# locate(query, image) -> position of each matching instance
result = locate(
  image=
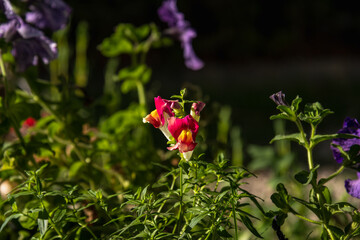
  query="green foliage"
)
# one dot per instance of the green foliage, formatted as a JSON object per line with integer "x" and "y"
{"x": 319, "y": 202}
{"x": 128, "y": 39}
{"x": 207, "y": 205}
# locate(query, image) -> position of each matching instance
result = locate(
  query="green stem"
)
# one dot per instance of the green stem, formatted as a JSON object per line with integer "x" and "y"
{"x": 235, "y": 223}
{"x": 141, "y": 93}
{"x": 2, "y": 66}
{"x": 51, "y": 221}
{"x": 329, "y": 232}
{"x": 209, "y": 234}
{"x": 168, "y": 195}
{"x": 306, "y": 142}
{"x": 308, "y": 220}
{"x": 79, "y": 221}
{"x": 178, "y": 222}
{"x": 310, "y": 158}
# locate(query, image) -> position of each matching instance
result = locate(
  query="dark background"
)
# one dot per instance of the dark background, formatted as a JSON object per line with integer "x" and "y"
{"x": 251, "y": 49}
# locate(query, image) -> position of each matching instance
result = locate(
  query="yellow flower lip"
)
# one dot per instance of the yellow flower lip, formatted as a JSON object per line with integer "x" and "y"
{"x": 153, "y": 118}
{"x": 185, "y": 136}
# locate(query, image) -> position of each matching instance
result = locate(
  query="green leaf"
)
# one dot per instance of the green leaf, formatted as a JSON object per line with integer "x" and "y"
{"x": 281, "y": 116}
{"x": 247, "y": 222}
{"x": 29, "y": 221}
{"x": 117, "y": 43}
{"x": 320, "y": 138}
{"x": 311, "y": 206}
{"x": 58, "y": 215}
{"x": 74, "y": 169}
{"x": 295, "y": 104}
{"x": 142, "y": 32}
{"x": 286, "y": 110}
{"x": 8, "y": 219}
{"x": 341, "y": 207}
{"x": 305, "y": 177}
{"x": 198, "y": 218}
{"x": 326, "y": 193}
{"x": 279, "y": 201}
{"x": 133, "y": 72}
{"x": 314, "y": 113}
{"x": 302, "y": 177}
{"x": 292, "y": 137}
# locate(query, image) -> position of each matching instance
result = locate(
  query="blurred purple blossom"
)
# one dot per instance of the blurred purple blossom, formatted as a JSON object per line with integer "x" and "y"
{"x": 180, "y": 29}
{"x": 350, "y": 126}
{"x": 353, "y": 186}
{"x": 52, "y": 14}
{"x": 29, "y": 43}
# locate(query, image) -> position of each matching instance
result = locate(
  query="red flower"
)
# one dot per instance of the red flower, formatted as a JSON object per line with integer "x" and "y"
{"x": 184, "y": 131}
{"x": 196, "y": 108}
{"x": 29, "y": 122}
{"x": 159, "y": 117}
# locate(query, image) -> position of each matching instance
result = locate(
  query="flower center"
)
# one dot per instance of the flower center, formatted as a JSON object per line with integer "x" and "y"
{"x": 185, "y": 136}
{"x": 155, "y": 115}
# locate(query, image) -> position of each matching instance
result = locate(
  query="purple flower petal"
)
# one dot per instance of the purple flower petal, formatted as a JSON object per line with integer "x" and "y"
{"x": 29, "y": 43}
{"x": 52, "y": 14}
{"x": 279, "y": 98}
{"x": 353, "y": 186}
{"x": 10, "y": 28}
{"x": 6, "y": 7}
{"x": 180, "y": 29}
{"x": 28, "y": 51}
{"x": 350, "y": 126}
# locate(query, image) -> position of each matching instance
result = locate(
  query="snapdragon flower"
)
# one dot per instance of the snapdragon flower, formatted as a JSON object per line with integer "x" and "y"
{"x": 350, "y": 126}
{"x": 179, "y": 130}
{"x": 180, "y": 29}
{"x": 184, "y": 131}
{"x": 29, "y": 43}
{"x": 159, "y": 117}
{"x": 52, "y": 14}
{"x": 196, "y": 108}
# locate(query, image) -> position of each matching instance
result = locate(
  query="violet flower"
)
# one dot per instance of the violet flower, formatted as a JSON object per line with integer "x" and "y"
{"x": 180, "y": 29}
{"x": 350, "y": 126}
{"x": 29, "y": 43}
{"x": 52, "y": 14}
{"x": 353, "y": 186}
{"x": 279, "y": 98}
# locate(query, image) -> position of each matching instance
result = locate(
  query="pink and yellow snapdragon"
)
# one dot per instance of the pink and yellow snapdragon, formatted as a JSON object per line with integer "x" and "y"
{"x": 169, "y": 116}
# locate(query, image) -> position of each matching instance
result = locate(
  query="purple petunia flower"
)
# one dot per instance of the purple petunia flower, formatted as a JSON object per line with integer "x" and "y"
{"x": 180, "y": 28}
{"x": 350, "y": 126}
{"x": 52, "y": 14}
{"x": 353, "y": 186}
{"x": 29, "y": 43}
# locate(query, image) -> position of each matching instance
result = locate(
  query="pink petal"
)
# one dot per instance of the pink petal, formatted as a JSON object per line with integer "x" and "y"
{"x": 161, "y": 107}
